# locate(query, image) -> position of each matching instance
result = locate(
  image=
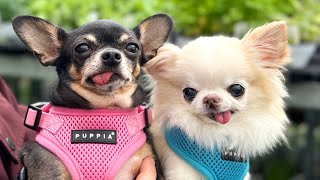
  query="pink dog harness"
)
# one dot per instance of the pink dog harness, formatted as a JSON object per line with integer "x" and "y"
{"x": 93, "y": 144}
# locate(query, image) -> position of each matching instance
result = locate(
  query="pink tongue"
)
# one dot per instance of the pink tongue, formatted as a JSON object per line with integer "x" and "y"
{"x": 102, "y": 79}
{"x": 223, "y": 117}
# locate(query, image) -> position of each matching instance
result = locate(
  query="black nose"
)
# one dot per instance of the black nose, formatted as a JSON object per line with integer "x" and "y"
{"x": 111, "y": 58}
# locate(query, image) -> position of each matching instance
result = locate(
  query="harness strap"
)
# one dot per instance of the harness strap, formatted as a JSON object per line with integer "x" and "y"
{"x": 41, "y": 118}
{"x": 137, "y": 124}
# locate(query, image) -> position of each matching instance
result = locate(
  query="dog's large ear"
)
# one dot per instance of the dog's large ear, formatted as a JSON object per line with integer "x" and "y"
{"x": 268, "y": 44}
{"x": 165, "y": 60}
{"x": 40, "y": 36}
{"x": 153, "y": 33}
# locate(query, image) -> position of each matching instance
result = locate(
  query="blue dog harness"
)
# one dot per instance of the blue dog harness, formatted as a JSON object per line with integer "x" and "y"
{"x": 213, "y": 164}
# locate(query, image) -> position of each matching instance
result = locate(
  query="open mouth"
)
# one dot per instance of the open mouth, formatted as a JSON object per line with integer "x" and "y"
{"x": 103, "y": 78}
{"x": 221, "y": 117}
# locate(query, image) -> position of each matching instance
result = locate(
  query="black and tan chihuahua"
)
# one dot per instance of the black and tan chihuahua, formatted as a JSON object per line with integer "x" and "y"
{"x": 98, "y": 66}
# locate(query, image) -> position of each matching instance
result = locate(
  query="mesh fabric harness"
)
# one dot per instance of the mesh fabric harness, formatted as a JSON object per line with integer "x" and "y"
{"x": 90, "y": 160}
{"x": 208, "y": 162}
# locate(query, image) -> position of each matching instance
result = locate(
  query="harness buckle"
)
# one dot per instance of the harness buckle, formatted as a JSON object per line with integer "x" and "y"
{"x": 146, "y": 114}
{"x": 37, "y": 120}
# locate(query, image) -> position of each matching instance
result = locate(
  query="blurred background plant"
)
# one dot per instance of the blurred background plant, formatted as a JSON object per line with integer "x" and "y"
{"x": 10, "y": 8}
{"x": 220, "y": 16}
{"x": 192, "y": 17}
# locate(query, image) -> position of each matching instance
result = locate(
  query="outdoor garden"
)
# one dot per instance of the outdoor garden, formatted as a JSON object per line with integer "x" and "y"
{"x": 192, "y": 18}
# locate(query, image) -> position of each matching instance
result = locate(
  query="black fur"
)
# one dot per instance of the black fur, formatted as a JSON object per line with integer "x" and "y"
{"x": 152, "y": 32}
{"x": 62, "y": 95}
{"x": 58, "y": 48}
{"x": 39, "y": 160}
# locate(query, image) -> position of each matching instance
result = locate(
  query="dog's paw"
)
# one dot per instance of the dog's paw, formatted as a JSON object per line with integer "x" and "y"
{"x": 42, "y": 164}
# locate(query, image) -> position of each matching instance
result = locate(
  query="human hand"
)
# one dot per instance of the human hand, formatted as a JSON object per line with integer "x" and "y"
{"x": 147, "y": 170}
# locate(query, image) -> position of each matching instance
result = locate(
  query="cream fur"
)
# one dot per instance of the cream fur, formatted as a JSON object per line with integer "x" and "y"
{"x": 210, "y": 65}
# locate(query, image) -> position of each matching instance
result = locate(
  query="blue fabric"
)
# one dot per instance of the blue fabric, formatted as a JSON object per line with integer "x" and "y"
{"x": 207, "y": 162}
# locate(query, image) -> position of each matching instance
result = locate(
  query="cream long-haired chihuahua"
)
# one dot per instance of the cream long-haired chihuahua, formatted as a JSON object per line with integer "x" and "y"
{"x": 218, "y": 101}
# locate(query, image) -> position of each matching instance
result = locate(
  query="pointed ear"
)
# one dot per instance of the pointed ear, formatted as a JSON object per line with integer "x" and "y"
{"x": 165, "y": 59}
{"x": 40, "y": 36}
{"x": 268, "y": 44}
{"x": 153, "y": 33}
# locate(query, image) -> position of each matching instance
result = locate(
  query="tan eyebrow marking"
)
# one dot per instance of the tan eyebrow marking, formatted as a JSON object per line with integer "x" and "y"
{"x": 124, "y": 37}
{"x": 91, "y": 38}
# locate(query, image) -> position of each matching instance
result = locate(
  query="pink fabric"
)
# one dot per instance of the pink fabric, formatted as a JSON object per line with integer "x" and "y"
{"x": 90, "y": 160}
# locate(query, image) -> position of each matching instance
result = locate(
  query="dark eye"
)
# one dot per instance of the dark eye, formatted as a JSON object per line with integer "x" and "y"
{"x": 132, "y": 47}
{"x": 82, "y": 48}
{"x": 236, "y": 90}
{"x": 189, "y": 93}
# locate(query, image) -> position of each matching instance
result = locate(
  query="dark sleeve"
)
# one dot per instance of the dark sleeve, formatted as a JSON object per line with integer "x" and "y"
{"x": 12, "y": 132}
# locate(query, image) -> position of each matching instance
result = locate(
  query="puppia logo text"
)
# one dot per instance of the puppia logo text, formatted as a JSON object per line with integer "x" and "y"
{"x": 94, "y": 136}
{"x": 231, "y": 155}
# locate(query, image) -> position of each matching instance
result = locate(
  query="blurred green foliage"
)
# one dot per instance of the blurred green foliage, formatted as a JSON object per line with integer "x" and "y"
{"x": 306, "y": 15}
{"x": 71, "y": 13}
{"x": 192, "y": 17}
{"x": 10, "y": 8}
{"x": 196, "y": 17}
